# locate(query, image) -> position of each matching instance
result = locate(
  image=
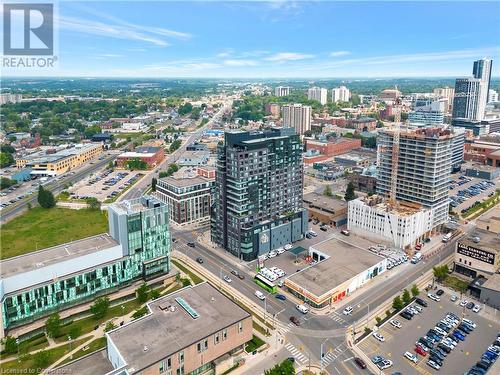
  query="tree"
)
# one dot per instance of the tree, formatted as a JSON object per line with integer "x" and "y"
{"x": 75, "y": 332}
{"x": 111, "y": 164}
{"x": 155, "y": 293}
{"x": 284, "y": 368}
{"x": 328, "y": 191}
{"x": 406, "y": 297}
{"x": 109, "y": 326}
{"x": 185, "y": 109}
{"x": 92, "y": 130}
{"x": 6, "y": 183}
{"x": 53, "y": 325}
{"x": 142, "y": 293}
{"x": 440, "y": 272}
{"x": 153, "y": 184}
{"x": 175, "y": 145}
{"x": 349, "y": 193}
{"x": 137, "y": 164}
{"x": 100, "y": 307}
{"x": 6, "y": 159}
{"x": 45, "y": 198}
{"x": 41, "y": 359}
{"x": 93, "y": 203}
{"x": 7, "y": 148}
{"x": 397, "y": 304}
{"x": 414, "y": 290}
{"x": 10, "y": 344}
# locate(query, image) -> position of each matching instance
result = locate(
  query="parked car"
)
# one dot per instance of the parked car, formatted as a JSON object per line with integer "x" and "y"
{"x": 361, "y": 364}
{"x": 440, "y": 292}
{"x": 470, "y": 305}
{"x": 419, "y": 350}
{"x": 378, "y": 336}
{"x": 421, "y": 302}
{"x": 377, "y": 359}
{"x": 476, "y": 308}
{"x": 395, "y": 323}
{"x": 433, "y": 297}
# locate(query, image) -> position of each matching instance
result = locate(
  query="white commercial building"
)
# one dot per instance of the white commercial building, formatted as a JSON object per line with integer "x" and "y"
{"x": 430, "y": 114}
{"x": 296, "y": 116}
{"x": 282, "y": 91}
{"x": 317, "y": 93}
{"x": 402, "y": 225}
{"x": 341, "y": 94}
{"x": 492, "y": 96}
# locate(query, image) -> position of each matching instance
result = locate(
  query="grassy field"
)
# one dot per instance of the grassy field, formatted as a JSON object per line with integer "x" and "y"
{"x": 40, "y": 228}
{"x": 196, "y": 279}
{"x": 27, "y": 363}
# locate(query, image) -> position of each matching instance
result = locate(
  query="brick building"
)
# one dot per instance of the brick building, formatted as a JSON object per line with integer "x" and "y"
{"x": 152, "y": 156}
{"x": 332, "y": 148}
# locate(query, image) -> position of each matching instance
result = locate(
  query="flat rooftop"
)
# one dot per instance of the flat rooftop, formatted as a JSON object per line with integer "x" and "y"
{"x": 165, "y": 332}
{"x": 56, "y": 254}
{"x": 184, "y": 182}
{"x": 345, "y": 261}
{"x": 320, "y": 201}
{"x": 137, "y": 205}
{"x": 93, "y": 364}
{"x": 493, "y": 282}
{"x": 488, "y": 241}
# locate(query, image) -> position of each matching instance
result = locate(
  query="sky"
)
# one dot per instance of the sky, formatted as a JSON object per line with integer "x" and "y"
{"x": 280, "y": 39}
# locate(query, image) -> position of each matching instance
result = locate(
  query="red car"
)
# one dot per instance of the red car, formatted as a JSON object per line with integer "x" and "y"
{"x": 420, "y": 351}
{"x": 360, "y": 362}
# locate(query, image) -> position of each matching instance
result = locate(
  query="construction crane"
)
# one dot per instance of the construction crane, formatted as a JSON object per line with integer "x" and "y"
{"x": 395, "y": 151}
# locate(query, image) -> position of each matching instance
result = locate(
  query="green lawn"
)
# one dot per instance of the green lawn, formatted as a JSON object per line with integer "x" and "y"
{"x": 456, "y": 283}
{"x": 93, "y": 346}
{"x": 254, "y": 344}
{"x": 27, "y": 363}
{"x": 40, "y": 228}
{"x": 196, "y": 279}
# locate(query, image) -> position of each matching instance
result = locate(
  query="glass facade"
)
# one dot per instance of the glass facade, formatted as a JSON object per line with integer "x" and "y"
{"x": 149, "y": 255}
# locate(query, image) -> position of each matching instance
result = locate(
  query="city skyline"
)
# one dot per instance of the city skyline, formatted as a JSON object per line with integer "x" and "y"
{"x": 278, "y": 39}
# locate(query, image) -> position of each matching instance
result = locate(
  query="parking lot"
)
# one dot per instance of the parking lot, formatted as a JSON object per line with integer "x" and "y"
{"x": 104, "y": 185}
{"x": 399, "y": 340}
{"x": 461, "y": 199}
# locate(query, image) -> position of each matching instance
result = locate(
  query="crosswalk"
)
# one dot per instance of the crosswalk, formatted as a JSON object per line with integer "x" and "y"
{"x": 288, "y": 328}
{"x": 297, "y": 354}
{"x": 331, "y": 356}
{"x": 337, "y": 318}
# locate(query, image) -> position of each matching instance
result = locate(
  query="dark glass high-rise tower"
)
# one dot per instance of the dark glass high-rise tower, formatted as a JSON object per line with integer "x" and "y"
{"x": 258, "y": 192}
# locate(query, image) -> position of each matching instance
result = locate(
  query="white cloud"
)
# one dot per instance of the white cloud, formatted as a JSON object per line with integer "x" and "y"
{"x": 238, "y": 62}
{"x": 339, "y": 53}
{"x": 288, "y": 56}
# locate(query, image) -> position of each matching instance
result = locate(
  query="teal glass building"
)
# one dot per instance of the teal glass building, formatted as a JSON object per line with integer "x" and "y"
{"x": 39, "y": 283}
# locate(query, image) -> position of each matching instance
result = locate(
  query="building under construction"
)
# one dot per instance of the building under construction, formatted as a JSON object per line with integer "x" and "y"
{"x": 413, "y": 175}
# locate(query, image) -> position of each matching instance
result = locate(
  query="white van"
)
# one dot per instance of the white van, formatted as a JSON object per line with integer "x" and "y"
{"x": 260, "y": 295}
{"x": 303, "y": 309}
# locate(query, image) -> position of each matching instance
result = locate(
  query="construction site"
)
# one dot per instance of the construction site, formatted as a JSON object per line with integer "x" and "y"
{"x": 413, "y": 167}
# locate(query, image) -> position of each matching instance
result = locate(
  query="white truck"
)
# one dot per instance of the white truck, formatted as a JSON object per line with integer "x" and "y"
{"x": 416, "y": 258}
{"x": 447, "y": 237}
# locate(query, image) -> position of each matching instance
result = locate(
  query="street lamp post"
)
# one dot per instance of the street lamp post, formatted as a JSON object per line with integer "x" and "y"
{"x": 69, "y": 339}
{"x": 17, "y": 344}
{"x": 321, "y": 355}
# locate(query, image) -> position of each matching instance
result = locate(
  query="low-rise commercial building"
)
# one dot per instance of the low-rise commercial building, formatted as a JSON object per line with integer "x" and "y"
{"x": 188, "y": 199}
{"x": 328, "y": 210}
{"x": 362, "y": 124}
{"x": 186, "y": 332}
{"x": 401, "y": 225}
{"x": 354, "y": 161}
{"x": 338, "y": 146}
{"x": 137, "y": 246}
{"x": 478, "y": 254}
{"x": 342, "y": 268}
{"x": 152, "y": 156}
{"x": 44, "y": 163}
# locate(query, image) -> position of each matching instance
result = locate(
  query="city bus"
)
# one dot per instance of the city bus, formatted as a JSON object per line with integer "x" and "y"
{"x": 265, "y": 284}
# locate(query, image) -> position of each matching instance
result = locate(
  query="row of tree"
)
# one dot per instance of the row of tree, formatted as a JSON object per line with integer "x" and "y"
{"x": 401, "y": 301}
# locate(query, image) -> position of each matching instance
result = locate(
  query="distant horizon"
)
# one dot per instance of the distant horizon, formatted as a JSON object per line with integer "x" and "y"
{"x": 276, "y": 39}
{"x": 242, "y": 78}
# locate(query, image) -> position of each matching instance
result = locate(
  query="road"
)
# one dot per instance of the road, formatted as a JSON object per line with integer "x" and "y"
{"x": 143, "y": 185}
{"x": 55, "y": 187}
{"x": 304, "y": 342}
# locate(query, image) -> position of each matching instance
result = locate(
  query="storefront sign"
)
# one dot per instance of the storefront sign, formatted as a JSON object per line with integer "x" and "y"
{"x": 472, "y": 252}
